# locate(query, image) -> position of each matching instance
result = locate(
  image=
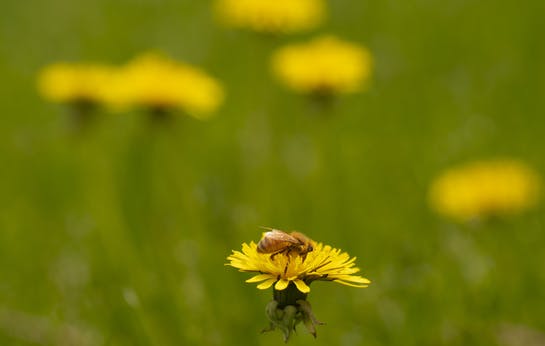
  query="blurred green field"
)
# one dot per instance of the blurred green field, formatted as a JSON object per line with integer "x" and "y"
{"x": 118, "y": 235}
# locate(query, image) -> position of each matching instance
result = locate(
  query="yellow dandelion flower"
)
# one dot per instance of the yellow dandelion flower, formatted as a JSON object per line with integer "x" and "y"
{"x": 323, "y": 263}
{"x": 156, "y": 82}
{"x": 325, "y": 65}
{"x": 290, "y": 273}
{"x": 75, "y": 82}
{"x": 485, "y": 188}
{"x": 271, "y": 16}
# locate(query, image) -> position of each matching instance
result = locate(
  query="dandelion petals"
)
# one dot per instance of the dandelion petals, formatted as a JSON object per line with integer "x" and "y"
{"x": 350, "y": 284}
{"x": 301, "y": 286}
{"x": 354, "y": 279}
{"x": 266, "y": 284}
{"x": 258, "y": 278}
{"x": 281, "y": 284}
{"x": 324, "y": 263}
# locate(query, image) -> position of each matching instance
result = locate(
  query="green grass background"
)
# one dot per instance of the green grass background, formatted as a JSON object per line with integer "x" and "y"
{"x": 118, "y": 235}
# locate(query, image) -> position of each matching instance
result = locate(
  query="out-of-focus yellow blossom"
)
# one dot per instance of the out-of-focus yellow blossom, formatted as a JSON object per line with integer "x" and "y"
{"x": 157, "y": 82}
{"x": 75, "y": 82}
{"x": 271, "y": 16}
{"x": 325, "y": 65}
{"x": 485, "y": 188}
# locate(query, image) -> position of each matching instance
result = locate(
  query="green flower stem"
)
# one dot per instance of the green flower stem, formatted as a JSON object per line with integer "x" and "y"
{"x": 82, "y": 115}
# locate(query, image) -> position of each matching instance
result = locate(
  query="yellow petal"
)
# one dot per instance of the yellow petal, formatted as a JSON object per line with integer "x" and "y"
{"x": 301, "y": 286}
{"x": 258, "y": 278}
{"x": 350, "y": 278}
{"x": 266, "y": 284}
{"x": 350, "y": 284}
{"x": 281, "y": 284}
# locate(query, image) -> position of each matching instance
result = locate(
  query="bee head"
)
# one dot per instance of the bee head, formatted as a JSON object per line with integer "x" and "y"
{"x": 309, "y": 248}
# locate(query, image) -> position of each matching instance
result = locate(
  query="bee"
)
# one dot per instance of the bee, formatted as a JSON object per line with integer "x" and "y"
{"x": 276, "y": 242}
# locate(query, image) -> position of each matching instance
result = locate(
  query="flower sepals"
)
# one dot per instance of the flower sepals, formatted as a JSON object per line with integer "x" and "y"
{"x": 288, "y": 317}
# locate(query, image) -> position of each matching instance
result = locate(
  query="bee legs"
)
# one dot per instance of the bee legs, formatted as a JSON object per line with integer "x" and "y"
{"x": 287, "y": 264}
{"x": 287, "y": 252}
{"x": 278, "y": 252}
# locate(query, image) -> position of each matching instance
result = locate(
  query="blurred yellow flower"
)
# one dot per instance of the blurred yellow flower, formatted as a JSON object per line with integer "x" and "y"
{"x": 74, "y": 82}
{"x": 271, "y": 16}
{"x": 325, "y": 65}
{"x": 323, "y": 263}
{"x": 290, "y": 274}
{"x": 485, "y": 188}
{"x": 157, "y": 82}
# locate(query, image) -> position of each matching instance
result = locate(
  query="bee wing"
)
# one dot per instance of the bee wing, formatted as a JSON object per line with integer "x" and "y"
{"x": 300, "y": 237}
{"x": 280, "y": 236}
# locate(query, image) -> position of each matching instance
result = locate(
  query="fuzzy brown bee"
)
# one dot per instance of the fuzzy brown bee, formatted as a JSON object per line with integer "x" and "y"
{"x": 276, "y": 242}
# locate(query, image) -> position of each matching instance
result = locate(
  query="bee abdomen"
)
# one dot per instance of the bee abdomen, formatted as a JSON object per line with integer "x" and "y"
{"x": 261, "y": 246}
{"x": 267, "y": 245}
